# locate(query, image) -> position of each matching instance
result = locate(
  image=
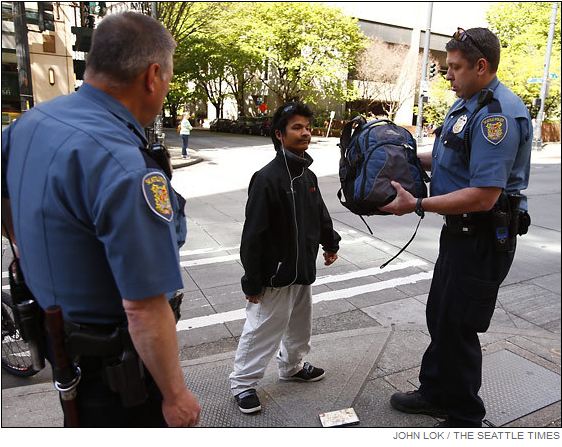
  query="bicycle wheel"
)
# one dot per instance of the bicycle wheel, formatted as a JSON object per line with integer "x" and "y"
{"x": 16, "y": 358}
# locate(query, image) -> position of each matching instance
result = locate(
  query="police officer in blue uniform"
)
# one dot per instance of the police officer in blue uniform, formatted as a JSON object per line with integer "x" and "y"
{"x": 480, "y": 164}
{"x": 97, "y": 226}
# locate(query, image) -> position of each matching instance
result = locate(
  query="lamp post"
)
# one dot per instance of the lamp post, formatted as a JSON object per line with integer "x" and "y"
{"x": 423, "y": 81}
{"x": 537, "y": 132}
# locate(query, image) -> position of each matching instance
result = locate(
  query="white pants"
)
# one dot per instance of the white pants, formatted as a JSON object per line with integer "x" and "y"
{"x": 282, "y": 322}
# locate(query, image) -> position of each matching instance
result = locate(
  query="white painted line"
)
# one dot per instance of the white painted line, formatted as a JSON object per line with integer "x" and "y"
{"x": 240, "y": 314}
{"x": 206, "y": 261}
{"x": 367, "y": 272}
{"x": 201, "y": 251}
{"x": 355, "y": 241}
{"x": 6, "y": 287}
{"x": 5, "y": 274}
{"x": 193, "y": 323}
{"x": 353, "y": 291}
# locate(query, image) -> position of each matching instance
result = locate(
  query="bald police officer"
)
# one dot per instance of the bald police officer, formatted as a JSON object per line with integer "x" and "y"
{"x": 480, "y": 163}
{"x": 95, "y": 222}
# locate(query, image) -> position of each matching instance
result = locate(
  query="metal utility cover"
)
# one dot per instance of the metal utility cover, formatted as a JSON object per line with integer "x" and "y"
{"x": 513, "y": 387}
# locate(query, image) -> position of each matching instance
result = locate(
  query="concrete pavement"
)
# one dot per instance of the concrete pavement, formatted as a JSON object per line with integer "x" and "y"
{"x": 369, "y": 329}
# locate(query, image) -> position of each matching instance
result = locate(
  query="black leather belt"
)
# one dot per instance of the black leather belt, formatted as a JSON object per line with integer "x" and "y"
{"x": 468, "y": 223}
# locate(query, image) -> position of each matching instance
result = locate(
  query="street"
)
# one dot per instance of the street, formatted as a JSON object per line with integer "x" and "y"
{"x": 354, "y": 293}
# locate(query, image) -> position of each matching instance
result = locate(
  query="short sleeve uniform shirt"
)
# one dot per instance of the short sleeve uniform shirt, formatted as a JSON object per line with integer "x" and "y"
{"x": 94, "y": 224}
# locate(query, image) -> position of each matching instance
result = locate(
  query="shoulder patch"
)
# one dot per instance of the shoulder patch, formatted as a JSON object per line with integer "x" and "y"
{"x": 494, "y": 128}
{"x": 155, "y": 190}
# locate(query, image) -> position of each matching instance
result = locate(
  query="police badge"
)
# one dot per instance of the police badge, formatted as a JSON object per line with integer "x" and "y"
{"x": 494, "y": 128}
{"x": 155, "y": 190}
{"x": 459, "y": 125}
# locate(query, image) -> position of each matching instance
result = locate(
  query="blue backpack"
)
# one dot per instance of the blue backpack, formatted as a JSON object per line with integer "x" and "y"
{"x": 372, "y": 154}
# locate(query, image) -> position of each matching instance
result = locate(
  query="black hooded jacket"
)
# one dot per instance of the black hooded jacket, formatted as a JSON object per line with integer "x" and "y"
{"x": 281, "y": 236}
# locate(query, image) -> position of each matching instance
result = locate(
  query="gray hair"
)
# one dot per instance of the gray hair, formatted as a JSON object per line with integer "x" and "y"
{"x": 125, "y": 44}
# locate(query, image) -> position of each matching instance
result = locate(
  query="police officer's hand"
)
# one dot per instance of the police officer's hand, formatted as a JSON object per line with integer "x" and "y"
{"x": 329, "y": 257}
{"x": 183, "y": 411}
{"x": 403, "y": 203}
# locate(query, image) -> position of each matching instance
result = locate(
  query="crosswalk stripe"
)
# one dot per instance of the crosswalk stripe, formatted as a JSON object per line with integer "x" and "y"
{"x": 206, "y": 261}
{"x": 239, "y": 314}
{"x": 367, "y": 272}
{"x": 201, "y": 251}
{"x": 374, "y": 287}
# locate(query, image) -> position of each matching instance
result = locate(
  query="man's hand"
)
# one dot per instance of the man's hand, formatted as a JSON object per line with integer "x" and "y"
{"x": 403, "y": 203}
{"x": 329, "y": 257}
{"x": 184, "y": 411}
{"x": 254, "y": 299}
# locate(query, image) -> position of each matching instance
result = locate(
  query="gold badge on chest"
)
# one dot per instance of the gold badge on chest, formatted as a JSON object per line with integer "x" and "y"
{"x": 459, "y": 125}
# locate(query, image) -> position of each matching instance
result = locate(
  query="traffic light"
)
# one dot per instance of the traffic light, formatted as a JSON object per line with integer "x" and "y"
{"x": 432, "y": 70}
{"x": 46, "y": 19}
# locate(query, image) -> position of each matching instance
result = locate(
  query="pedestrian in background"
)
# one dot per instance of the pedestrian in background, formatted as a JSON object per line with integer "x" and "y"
{"x": 286, "y": 221}
{"x": 94, "y": 217}
{"x": 185, "y": 131}
{"x": 480, "y": 164}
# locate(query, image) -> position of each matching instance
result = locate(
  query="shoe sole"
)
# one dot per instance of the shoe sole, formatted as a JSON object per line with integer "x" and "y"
{"x": 438, "y": 414}
{"x": 298, "y": 379}
{"x": 250, "y": 410}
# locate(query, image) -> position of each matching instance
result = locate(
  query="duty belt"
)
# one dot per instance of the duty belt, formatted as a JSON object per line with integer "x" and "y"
{"x": 468, "y": 223}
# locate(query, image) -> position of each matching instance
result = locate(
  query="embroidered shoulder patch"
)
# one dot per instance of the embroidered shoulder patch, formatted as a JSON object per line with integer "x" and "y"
{"x": 155, "y": 190}
{"x": 494, "y": 128}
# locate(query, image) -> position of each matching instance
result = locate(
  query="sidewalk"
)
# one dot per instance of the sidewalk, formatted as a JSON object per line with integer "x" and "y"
{"x": 521, "y": 380}
{"x": 365, "y": 365}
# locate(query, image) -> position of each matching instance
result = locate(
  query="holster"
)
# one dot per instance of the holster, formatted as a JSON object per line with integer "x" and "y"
{"x": 123, "y": 370}
{"x": 175, "y": 304}
{"x": 506, "y": 220}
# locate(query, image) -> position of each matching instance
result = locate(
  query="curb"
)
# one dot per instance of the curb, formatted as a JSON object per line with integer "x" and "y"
{"x": 181, "y": 163}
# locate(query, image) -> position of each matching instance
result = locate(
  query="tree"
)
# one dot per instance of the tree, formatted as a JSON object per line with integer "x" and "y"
{"x": 441, "y": 98}
{"x": 184, "y": 19}
{"x": 202, "y": 60}
{"x": 523, "y": 32}
{"x": 307, "y": 49}
{"x": 244, "y": 60}
{"x": 386, "y": 73}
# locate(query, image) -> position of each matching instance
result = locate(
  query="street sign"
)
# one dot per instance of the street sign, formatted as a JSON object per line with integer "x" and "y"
{"x": 553, "y": 76}
{"x": 534, "y": 81}
{"x": 332, "y": 115}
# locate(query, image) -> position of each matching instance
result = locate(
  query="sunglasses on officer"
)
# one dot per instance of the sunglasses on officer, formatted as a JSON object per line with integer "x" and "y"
{"x": 462, "y": 36}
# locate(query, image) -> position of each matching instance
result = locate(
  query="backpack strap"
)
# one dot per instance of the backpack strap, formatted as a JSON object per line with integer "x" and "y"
{"x": 351, "y": 127}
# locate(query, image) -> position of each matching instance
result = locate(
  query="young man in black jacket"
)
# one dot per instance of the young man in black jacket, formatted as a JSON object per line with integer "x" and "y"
{"x": 286, "y": 221}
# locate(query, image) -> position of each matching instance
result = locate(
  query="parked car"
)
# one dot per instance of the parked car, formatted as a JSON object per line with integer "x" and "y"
{"x": 254, "y": 125}
{"x": 242, "y": 125}
{"x": 221, "y": 125}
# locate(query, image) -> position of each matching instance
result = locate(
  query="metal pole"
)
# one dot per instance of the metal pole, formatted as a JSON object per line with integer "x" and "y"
{"x": 158, "y": 125}
{"x": 423, "y": 80}
{"x": 22, "y": 55}
{"x": 537, "y": 140}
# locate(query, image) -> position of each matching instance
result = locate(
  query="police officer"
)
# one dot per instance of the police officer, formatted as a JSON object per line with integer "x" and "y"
{"x": 95, "y": 223}
{"x": 480, "y": 163}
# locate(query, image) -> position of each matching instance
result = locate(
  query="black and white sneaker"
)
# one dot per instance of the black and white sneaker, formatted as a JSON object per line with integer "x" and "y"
{"x": 248, "y": 401}
{"x": 308, "y": 373}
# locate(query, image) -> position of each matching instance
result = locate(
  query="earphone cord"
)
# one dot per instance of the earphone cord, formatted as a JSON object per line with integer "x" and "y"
{"x": 291, "y": 180}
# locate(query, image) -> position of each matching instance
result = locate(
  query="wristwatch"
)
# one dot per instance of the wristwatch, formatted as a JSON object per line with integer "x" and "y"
{"x": 419, "y": 208}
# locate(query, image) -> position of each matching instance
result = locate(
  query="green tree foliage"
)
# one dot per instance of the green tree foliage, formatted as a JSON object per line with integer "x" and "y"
{"x": 202, "y": 60}
{"x": 441, "y": 98}
{"x": 286, "y": 50}
{"x": 308, "y": 48}
{"x": 523, "y": 32}
{"x": 184, "y": 19}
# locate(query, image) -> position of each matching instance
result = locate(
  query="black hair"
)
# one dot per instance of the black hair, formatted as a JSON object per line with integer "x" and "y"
{"x": 485, "y": 39}
{"x": 283, "y": 114}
